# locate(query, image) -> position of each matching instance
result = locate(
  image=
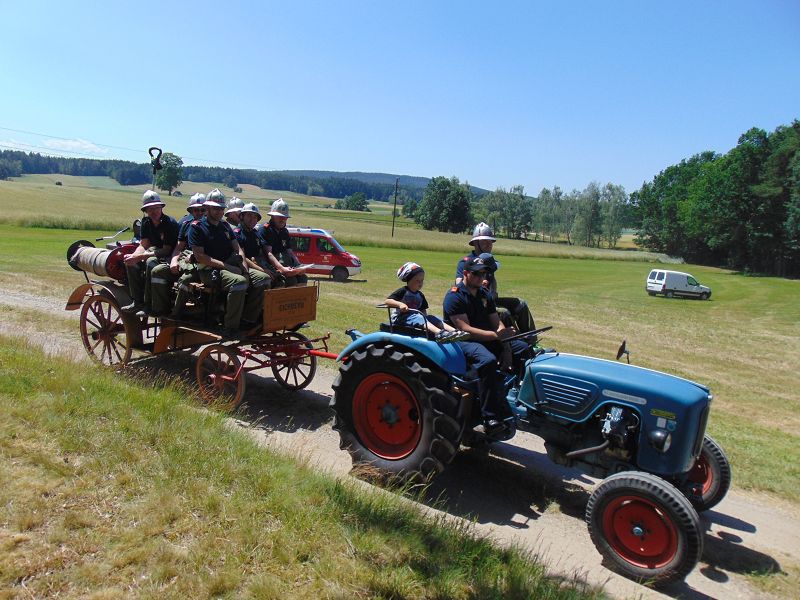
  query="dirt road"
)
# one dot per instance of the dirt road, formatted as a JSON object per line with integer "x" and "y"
{"x": 512, "y": 493}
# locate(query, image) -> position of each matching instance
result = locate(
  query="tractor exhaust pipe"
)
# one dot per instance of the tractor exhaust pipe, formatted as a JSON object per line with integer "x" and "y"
{"x": 585, "y": 451}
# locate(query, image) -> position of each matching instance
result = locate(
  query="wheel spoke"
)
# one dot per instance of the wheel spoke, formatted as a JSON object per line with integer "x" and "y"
{"x": 114, "y": 346}
{"x": 92, "y": 323}
{"x": 97, "y": 343}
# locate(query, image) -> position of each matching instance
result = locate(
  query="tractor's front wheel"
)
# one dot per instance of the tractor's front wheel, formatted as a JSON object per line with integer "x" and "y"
{"x": 391, "y": 414}
{"x": 644, "y": 527}
{"x": 712, "y": 472}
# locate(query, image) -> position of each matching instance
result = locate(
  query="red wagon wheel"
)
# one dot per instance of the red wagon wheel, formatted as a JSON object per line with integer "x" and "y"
{"x": 219, "y": 377}
{"x": 293, "y": 367}
{"x": 104, "y": 331}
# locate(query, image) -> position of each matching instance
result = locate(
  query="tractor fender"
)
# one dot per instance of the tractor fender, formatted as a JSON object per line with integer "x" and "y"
{"x": 449, "y": 357}
{"x": 108, "y": 288}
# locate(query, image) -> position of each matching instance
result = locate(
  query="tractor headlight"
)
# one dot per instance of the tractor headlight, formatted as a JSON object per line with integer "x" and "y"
{"x": 660, "y": 440}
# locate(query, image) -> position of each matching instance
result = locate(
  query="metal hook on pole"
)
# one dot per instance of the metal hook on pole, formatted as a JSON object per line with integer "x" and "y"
{"x": 155, "y": 161}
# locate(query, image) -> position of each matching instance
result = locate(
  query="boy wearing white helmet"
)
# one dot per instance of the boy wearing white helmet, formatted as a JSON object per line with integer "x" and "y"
{"x": 410, "y": 298}
{"x": 159, "y": 234}
{"x": 278, "y": 245}
{"x": 482, "y": 242}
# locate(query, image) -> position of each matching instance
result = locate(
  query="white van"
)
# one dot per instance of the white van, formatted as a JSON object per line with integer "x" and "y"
{"x": 675, "y": 283}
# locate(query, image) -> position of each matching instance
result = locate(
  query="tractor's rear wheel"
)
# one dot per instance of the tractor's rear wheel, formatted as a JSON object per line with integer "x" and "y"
{"x": 105, "y": 331}
{"x": 644, "y": 527}
{"x": 391, "y": 413}
{"x": 712, "y": 471}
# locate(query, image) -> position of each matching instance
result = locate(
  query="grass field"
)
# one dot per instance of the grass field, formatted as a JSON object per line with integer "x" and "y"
{"x": 114, "y": 489}
{"x": 744, "y": 343}
{"x": 89, "y": 203}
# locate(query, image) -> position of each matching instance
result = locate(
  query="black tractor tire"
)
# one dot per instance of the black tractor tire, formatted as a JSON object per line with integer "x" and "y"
{"x": 340, "y": 274}
{"x": 644, "y": 527}
{"x": 393, "y": 414}
{"x": 712, "y": 470}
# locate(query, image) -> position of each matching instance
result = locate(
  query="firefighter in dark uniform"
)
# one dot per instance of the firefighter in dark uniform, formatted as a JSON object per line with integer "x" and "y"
{"x": 217, "y": 253}
{"x": 233, "y": 210}
{"x": 482, "y": 242}
{"x": 278, "y": 245}
{"x": 252, "y": 246}
{"x": 181, "y": 264}
{"x": 159, "y": 234}
{"x": 469, "y": 307}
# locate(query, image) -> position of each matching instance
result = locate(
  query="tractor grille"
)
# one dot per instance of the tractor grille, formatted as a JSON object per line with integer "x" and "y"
{"x": 569, "y": 397}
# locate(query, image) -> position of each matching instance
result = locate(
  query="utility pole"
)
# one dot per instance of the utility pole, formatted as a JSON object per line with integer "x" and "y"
{"x": 394, "y": 210}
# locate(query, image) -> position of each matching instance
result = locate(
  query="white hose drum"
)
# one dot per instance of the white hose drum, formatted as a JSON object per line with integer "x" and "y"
{"x": 83, "y": 256}
{"x": 92, "y": 260}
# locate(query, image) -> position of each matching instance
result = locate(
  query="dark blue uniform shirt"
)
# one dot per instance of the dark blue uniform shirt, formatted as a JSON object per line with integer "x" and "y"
{"x": 278, "y": 239}
{"x": 249, "y": 240}
{"x": 183, "y": 228}
{"x": 165, "y": 233}
{"x": 458, "y": 301}
{"x": 215, "y": 240}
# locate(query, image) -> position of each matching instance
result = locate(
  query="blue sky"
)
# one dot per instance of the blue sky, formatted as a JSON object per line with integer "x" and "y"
{"x": 498, "y": 94}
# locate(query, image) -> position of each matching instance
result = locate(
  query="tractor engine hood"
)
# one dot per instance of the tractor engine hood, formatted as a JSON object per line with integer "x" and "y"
{"x": 575, "y": 388}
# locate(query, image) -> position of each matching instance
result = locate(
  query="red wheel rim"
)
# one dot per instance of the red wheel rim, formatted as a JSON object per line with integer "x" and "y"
{"x": 702, "y": 473}
{"x": 640, "y": 532}
{"x": 387, "y": 416}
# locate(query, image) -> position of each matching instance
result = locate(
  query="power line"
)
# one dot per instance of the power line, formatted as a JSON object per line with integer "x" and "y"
{"x": 56, "y": 137}
{"x": 51, "y": 151}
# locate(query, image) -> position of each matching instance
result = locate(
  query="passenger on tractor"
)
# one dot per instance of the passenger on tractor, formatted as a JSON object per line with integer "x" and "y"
{"x": 233, "y": 211}
{"x": 516, "y": 308}
{"x": 252, "y": 245}
{"x": 278, "y": 245}
{"x": 410, "y": 296}
{"x": 159, "y": 234}
{"x": 220, "y": 261}
{"x": 182, "y": 264}
{"x": 470, "y": 307}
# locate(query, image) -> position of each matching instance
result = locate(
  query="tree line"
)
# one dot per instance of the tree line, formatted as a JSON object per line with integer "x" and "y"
{"x": 15, "y": 163}
{"x": 592, "y": 217}
{"x": 739, "y": 210}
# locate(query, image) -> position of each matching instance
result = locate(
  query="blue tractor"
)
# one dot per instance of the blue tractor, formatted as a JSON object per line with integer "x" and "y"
{"x": 405, "y": 403}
